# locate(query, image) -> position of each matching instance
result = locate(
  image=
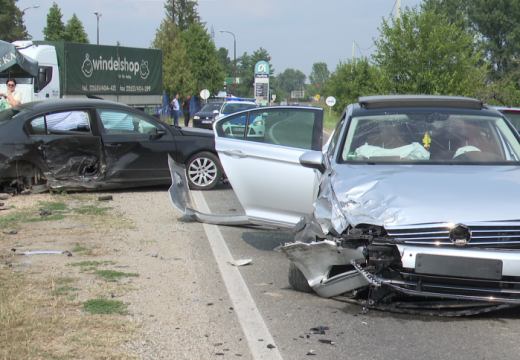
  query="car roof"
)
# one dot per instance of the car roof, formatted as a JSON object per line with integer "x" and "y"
{"x": 394, "y": 101}
{"x": 44, "y": 105}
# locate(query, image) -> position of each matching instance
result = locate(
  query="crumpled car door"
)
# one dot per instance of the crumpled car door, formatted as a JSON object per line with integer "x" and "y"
{"x": 67, "y": 145}
{"x": 260, "y": 150}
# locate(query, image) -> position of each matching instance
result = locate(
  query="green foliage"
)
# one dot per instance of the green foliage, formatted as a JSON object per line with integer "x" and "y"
{"x": 112, "y": 275}
{"x": 55, "y": 30}
{"x": 291, "y": 80}
{"x": 423, "y": 53}
{"x": 105, "y": 306}
{"x": 227, "y": 64}
{"x": 184, "y": 12}
{"x": 92, "y": 210}
{"x": 351, "y": 80}
{"x": 53, "y": 206}
{"x": 177, "y": 76}
{"x": 203, "y": 59}
{"x": 74, "y": 31}
{"x": 91, "y": 263}
{"x": 246, "y": 70}
{"x": 11, "y": 22}
{"x": 505, "y": 90}
{"x": 320, "y": 74}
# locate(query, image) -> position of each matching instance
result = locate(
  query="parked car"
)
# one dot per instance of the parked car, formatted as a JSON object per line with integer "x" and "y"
{"x": 511, "y": 113}
{"x": 283, "y": 102}
{"x": 206, "y": 116}
{"x": 410, "y": 205}
{"x": 73, "y": 144}
{"x": 233, "y": 105}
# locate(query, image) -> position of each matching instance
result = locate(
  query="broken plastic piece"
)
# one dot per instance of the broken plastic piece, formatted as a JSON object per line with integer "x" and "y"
{"x": 311, "y": 352}
{"x": 327, "y": 341}
{"x": 41, "y": 252}
{"x": 241, "y": 262}
{"x": 45, "y": 212}
{"x": 105, "y": 197}
{"x": 270, "y": 346}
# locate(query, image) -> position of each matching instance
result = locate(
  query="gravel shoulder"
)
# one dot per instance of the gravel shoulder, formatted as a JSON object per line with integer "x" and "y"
{"x": 178, "y": 301}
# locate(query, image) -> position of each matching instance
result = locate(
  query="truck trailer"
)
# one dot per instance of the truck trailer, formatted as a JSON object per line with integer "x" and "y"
{"x": 132, "y": 76}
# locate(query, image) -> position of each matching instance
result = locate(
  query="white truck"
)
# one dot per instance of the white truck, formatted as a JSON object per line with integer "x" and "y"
{"x": 131, "y": 76}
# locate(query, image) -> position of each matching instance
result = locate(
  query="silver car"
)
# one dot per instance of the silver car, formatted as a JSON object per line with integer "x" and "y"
{"x": 410, "y": 206}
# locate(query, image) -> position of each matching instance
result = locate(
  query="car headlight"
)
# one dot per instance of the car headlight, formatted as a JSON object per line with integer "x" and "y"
{"x": 196, "y": 117}
{"x": 258, "y": 123}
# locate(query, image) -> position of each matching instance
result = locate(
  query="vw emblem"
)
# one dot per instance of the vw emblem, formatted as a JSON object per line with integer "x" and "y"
{"x": 460, "y": 235}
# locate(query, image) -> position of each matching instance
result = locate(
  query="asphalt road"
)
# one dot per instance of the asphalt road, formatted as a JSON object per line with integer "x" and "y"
{"x": 289, "y": 315}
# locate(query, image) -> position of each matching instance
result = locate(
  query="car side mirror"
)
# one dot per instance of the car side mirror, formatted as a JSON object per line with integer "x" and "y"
{"x": 313, "y": 160}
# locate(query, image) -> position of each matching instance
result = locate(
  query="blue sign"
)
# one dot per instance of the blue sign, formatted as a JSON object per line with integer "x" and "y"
{"x": 262, "y": 68}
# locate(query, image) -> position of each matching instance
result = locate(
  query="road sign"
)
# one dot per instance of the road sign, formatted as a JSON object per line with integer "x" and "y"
{"x": 317, "y": 96}
{"x": 273, "y": 97}
{"x": 330, "y": 101}
{"x": 229, "y": 80}
{"x": 204, "y": 94}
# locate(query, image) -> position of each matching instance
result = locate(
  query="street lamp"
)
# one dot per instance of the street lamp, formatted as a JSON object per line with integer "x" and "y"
{"x": 30, "y": 7}
{"x": 235, "y": 78}
{"x": 98, "y": 14}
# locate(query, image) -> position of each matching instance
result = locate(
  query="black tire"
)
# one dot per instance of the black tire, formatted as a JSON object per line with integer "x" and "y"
{"x": 297, "y": 280}
{"x": 203, "y": 171}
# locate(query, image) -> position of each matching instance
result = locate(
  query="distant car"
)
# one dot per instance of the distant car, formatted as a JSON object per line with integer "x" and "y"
{"x": 234, "y": 105}
{"x": 284, "y": 103}
{"x": 87, "y": 144}
{"x": 512, "y": 114}
{"x": 205, "y": 117}
{"x": 296, "y": 102}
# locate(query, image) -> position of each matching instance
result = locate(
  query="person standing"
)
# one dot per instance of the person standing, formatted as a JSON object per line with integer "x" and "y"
{"x": 12, "y": 97}
{"x": 175, "y": 108}
{"x": 186, "y": 110}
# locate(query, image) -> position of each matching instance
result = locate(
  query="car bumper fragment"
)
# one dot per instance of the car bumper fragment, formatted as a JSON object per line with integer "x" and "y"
{"x": 180, "y": 198}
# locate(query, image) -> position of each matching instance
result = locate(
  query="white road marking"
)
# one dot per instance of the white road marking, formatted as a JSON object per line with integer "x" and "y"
{"x": 248, "y": 315}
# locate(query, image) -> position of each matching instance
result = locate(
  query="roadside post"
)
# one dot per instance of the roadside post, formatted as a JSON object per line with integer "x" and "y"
{"x": 330, "y": 101}
{"x": 204, "y": 95}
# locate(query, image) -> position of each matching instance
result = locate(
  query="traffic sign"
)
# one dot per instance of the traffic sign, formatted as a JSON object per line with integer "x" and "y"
{"x": 229, "y": 80}
{"x": 330, "y": 101}
{"x": 317, "y": 96}
{"x": 273, "y": 97}
{"x": 204, "y": 94}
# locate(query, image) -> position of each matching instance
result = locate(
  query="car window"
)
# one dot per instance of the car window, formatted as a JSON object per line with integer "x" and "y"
{"x": 430, "y": 137}
{"x": 286, "y": 127}
{"x": 513, "y": 116}
{"x": 122, "y": 122}
{"x": 233, "y": 127}
{"x": 236, "y": 107}
{"x": 58, "y": 122}
{"x": 210, "y": 107}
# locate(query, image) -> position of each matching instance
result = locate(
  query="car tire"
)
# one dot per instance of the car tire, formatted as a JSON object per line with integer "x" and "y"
{"x": 297, "y": 280}
{"x": 203, "y": 171}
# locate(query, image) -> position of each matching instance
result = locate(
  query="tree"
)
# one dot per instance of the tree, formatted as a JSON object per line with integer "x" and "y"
{"x": 319, "y": 75}
{"x": 202, "y": 55}
{"x": 74, "y": 31}
{"x": 226, "y": 62}
{"x": 423, "y": 53}
{"x": 291, "y": 80}
{"x": 183, "y": 11}
{"x": 55, "y": 30}
{"x": 246, "y": 70}
{"x": 11, "y": 22}
{"x": 177, "y": 76}
{"x": 351, "y": 80}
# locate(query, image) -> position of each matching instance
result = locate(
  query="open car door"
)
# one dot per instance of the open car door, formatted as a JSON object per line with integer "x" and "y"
{"x": 260, "y": 150}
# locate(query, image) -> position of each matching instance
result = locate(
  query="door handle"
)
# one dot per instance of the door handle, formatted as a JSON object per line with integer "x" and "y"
{"x": 237, "y": 153}
{"x": 112, "y": 145}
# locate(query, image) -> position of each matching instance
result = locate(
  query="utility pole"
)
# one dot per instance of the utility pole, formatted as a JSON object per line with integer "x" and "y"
{"x": 353, "y": 49}
{"x": 173, "y": 11}
{"x": 398, "y": 9}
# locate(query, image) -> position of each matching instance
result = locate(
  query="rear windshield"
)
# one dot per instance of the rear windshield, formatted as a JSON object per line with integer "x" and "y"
{"x": 430, "y": 138}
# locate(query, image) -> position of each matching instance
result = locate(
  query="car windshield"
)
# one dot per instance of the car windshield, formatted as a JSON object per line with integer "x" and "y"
{"x": 236, "y": 106}
{"x": 209, "y": 107}
{"x": 430, "y": 138}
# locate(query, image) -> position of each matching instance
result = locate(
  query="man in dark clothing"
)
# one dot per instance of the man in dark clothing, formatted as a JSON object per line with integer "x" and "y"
{"x": 186, "y": 110}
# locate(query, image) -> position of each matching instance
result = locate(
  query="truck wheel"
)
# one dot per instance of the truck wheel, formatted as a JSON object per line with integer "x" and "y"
{"x": 203, "y": 171}
{"x": 297, "y": 280}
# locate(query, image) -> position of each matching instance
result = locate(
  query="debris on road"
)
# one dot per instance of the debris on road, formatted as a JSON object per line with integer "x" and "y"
{"x": 105, "y": 198}
{"x": 327, "y": 341}
{"x": 311, "y": 352}
{"x": 320, "y": 330}
{"x": 241, "y": 262}
{"x": 45, "y": 212}
{"x": 41, "y": 252}
{"x": 270, "y": 346}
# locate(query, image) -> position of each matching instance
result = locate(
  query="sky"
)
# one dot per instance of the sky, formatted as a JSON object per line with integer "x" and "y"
{"x": 295, "y": 33}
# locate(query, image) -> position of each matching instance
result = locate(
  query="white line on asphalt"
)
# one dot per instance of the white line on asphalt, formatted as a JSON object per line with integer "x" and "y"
{"x": 248, "y": 315}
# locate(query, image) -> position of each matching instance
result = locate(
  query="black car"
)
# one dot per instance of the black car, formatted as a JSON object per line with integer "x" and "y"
{"x": 205, "y": 117}
{"x": 87, "y": 144}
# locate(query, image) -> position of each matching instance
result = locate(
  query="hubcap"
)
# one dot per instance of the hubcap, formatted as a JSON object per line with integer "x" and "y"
{"x": 202, "y": 171}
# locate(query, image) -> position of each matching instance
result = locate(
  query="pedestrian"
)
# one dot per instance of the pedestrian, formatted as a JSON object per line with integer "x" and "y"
{"x": 175, "y": 108}
{"x": 186, "y": 110}
{"x": 12, "y": 97}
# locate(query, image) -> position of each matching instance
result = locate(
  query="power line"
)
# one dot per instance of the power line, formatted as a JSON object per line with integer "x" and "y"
{"x": 391, "y": 12}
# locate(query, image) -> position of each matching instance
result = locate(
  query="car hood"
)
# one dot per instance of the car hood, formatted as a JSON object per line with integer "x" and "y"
{"x": 205, "y": 114}
{"x": 417, "y": 194}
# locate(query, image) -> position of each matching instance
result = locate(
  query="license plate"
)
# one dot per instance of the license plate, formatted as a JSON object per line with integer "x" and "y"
{"x": 458, "y": 266}
{"x": 206, "y": 121}
{"x": 238, "y": 130}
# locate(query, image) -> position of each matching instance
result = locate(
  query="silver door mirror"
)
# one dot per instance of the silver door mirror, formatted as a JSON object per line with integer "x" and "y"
{"x": 313, "y": 160}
